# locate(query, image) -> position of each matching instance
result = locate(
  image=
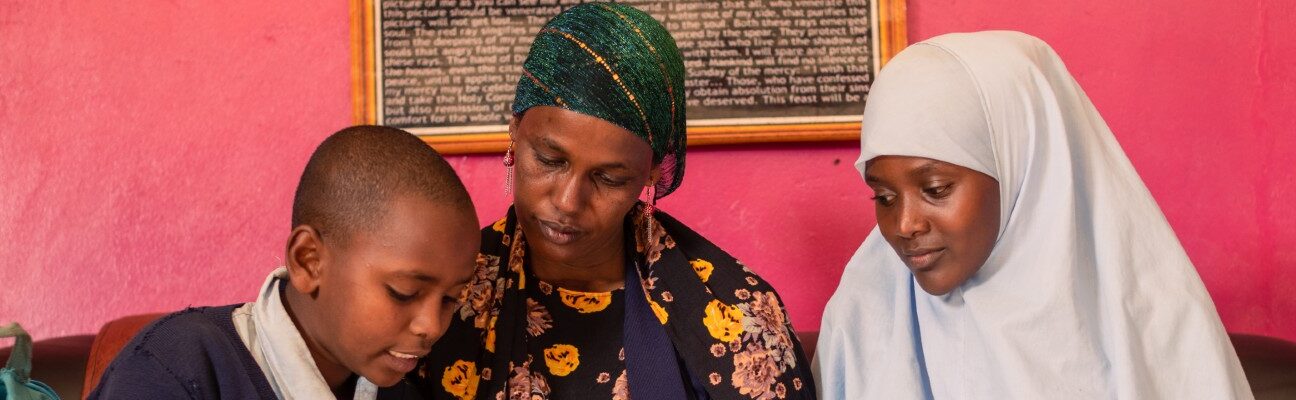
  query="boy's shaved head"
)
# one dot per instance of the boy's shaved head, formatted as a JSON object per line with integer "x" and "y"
{"x": 354, "y": 175}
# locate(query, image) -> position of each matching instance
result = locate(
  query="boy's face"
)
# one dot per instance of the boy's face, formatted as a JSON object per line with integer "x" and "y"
{"x": 942, "y": 219}
{"x": 386, "y": 295}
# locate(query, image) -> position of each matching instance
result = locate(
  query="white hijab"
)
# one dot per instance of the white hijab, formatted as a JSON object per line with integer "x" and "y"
{"x": 1087, "y": 293}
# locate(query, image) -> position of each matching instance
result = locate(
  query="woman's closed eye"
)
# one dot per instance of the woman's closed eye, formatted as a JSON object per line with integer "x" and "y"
{"x": 610, "y": 181}
{"x": 550, "y": 162}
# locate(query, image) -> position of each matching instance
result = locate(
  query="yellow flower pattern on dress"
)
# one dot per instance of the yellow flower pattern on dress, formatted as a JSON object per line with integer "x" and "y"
{"x": 562, "y": 359}
{"x": 660, "y": 312}
{"x": 498, "y": 226}
{"x": 723, "y": 321}
{"x": 585, "y": 302}
{"x": 460, "y": 379}
{"x": 703, "y": 269}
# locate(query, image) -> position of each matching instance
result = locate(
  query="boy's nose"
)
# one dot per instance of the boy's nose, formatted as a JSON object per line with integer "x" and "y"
{"x": 428, "y": 324}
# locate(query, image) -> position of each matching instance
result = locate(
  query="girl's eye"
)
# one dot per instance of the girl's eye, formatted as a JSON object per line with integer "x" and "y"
{"x": 398, "y": 296}
{"x": 938, "y": 191}
{"x": 883, "y": 199}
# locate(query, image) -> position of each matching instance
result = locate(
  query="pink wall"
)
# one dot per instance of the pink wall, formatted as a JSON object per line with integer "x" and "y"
{"x": 148, "y": 150}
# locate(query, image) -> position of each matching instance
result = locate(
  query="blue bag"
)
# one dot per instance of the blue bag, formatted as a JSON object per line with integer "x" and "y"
{"x": 15, "y": 377}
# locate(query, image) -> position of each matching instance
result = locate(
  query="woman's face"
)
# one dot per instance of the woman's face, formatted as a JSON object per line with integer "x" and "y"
{"x": 942, "y": 219}
{"x": 576, "y": 178}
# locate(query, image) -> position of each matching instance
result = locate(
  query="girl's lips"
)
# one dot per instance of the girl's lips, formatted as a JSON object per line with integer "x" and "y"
{"x": 922, "y": 259}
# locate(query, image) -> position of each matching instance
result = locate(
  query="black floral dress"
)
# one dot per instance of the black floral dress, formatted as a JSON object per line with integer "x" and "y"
{"x": 516, "y": 337}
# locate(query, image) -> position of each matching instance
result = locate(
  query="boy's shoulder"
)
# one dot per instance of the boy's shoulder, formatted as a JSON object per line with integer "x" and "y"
{"x": 191, "y": 329}
{"x": 194, "y": 353}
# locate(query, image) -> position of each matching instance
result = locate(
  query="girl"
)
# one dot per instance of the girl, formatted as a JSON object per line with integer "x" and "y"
{"x": 1017, "y": 254}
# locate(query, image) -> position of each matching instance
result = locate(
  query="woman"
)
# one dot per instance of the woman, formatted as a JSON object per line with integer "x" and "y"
{"x": 1017, "y": 254}
{"x": 583, "y": 291}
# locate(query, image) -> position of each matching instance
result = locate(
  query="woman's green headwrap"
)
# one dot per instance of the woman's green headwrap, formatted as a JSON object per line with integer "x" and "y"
{"x": 616, "y": 63}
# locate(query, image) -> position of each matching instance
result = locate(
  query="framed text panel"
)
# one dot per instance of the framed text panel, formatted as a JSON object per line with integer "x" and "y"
{"x": 756, "y": 70}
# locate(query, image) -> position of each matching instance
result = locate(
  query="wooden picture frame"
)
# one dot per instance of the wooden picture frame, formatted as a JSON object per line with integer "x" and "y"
{"x": 888, "y": 37}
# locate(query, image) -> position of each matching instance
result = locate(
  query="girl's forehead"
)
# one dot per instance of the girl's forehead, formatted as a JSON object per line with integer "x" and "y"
{"x": 906, "y": 170}
{"x": 907, "y": 165}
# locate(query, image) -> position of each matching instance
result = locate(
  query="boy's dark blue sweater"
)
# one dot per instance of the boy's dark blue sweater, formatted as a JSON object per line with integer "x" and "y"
{"x": 197, "y": 354}
{"x": 191, "y": 354}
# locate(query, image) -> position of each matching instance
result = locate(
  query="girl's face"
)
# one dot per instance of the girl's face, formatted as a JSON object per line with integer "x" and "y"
{"x": 942, "y": 219}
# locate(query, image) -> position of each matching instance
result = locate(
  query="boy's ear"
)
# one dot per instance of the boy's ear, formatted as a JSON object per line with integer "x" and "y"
{"x": 305, "y": 258}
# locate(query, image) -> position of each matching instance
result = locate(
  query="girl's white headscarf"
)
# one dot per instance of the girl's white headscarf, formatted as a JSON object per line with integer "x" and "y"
{"x": 1087, "y": 293}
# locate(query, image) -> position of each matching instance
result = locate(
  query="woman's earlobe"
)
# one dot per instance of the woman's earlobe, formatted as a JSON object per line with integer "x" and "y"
{"x": 513, "y": 127}
{"x": 654, "y": 176}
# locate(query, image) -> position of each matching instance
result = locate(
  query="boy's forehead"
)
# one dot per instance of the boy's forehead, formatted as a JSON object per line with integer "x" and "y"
{"x": 413, "y": 211}
{"x": 416, "y": 238}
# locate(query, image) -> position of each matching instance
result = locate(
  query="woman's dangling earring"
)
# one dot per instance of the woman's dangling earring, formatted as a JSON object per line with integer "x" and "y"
{"x": 649, "y": 207}
{"x": 508, "y": 164}
{"x": 650, "y": 204}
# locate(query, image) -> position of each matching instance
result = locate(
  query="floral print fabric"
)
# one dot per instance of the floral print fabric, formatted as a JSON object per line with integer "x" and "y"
{"x": 516, "y": 337}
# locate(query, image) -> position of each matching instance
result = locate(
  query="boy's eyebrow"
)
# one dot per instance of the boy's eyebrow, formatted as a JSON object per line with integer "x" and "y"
{"x": 417, "y": 276}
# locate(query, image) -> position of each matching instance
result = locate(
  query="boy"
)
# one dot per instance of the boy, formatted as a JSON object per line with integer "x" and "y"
{"x": 384, "y": 240}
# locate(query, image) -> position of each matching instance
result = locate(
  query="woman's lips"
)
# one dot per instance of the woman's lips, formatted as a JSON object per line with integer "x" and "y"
{"x": 920, "y": 260}
{"x": 557, "y": 233}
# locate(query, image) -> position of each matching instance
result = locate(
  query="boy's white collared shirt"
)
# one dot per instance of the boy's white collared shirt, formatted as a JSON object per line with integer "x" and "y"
{"x": 278, "y": 348}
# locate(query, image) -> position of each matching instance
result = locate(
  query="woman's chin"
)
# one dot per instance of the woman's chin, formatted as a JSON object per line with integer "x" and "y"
{"x": 568, "y": 253}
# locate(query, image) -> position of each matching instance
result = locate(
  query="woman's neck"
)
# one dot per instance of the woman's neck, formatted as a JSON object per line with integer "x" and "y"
{"x": 601, "y": 271}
